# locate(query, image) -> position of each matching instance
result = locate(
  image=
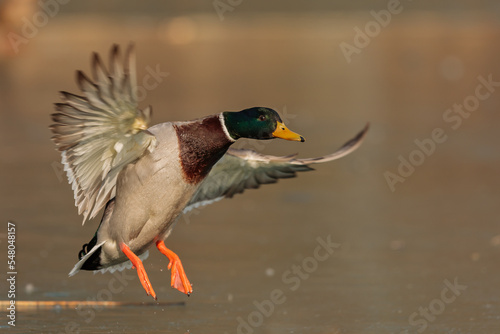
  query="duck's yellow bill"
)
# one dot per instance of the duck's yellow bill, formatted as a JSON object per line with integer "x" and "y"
{"x": 283, "y": 133}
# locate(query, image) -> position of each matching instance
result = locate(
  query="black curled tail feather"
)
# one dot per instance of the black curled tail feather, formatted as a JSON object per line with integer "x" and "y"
{"x": 93, "y": 261}
{"x": 87, "y": 247}
{"x": 90, "y": 261}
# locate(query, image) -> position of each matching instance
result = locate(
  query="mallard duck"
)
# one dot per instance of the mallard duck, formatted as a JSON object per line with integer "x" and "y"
{"x": 146, "y": 177}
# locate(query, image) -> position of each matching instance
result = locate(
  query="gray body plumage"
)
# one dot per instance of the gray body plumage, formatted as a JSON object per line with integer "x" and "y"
{"x": 151, "y": 194}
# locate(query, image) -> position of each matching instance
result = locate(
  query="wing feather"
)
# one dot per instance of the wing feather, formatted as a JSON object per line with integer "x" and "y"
{"x": 101, "y": 131}
{"x": 239, "y": 170}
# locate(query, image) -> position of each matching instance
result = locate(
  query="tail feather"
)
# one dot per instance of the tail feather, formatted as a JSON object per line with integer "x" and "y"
{"x": 91, "y": 259}
{"x": 91, "y": 256}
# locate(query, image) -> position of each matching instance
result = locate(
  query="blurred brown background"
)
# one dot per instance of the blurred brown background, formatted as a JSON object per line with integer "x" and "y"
{"x": 414, "y": 210}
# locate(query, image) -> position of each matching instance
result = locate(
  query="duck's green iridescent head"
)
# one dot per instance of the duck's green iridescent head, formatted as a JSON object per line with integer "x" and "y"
{"x": 258, "y": 123}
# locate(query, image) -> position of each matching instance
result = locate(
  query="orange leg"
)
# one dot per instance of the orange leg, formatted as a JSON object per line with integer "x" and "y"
{"x": 178, "y": 278}
{"x": 141, "y": 272}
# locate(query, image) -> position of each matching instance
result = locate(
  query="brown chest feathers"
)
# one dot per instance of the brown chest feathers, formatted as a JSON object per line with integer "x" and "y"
{"x": 201, "y": 144}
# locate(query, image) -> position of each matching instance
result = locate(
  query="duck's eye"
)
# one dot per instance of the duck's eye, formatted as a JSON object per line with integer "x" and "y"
{"x": 262, "y": 118}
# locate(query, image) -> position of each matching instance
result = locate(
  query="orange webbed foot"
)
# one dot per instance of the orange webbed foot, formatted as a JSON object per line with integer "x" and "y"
{"x": 141, "y": 272}
{"x": 178, "y": 276}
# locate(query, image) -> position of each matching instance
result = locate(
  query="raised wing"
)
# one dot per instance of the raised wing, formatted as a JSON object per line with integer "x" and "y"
{"x": 245, "y": 169}
{"x": 102, "y": 131}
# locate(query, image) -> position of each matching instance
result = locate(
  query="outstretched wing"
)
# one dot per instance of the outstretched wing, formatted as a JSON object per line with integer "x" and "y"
{"x": 245, "y": 169}
{"x": 102, "y": 131}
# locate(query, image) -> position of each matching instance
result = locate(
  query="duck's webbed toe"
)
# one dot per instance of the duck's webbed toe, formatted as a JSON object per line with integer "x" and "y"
{"x": 178, "y": 276}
